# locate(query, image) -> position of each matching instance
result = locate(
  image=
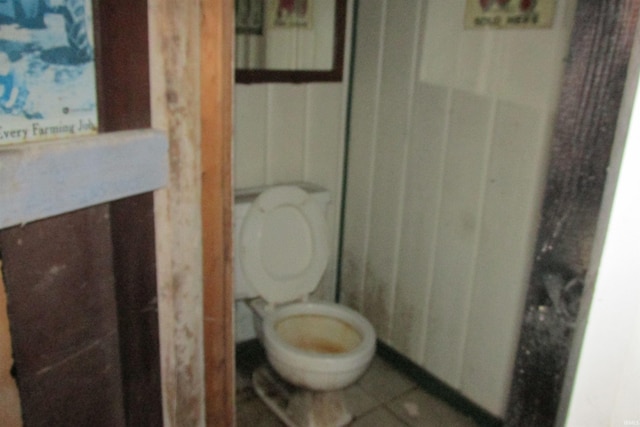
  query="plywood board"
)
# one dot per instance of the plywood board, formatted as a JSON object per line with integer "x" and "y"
{"x": 40, "y": 180}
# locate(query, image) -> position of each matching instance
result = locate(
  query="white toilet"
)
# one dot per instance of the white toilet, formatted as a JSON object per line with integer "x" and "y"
{"x": 281, "y": 242}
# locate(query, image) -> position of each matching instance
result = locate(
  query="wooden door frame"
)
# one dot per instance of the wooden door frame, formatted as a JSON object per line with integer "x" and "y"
{"x": 216, "y": 89}
{"x": 588, "y": 119}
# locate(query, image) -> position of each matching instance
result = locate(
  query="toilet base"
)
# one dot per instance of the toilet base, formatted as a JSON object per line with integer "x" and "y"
{"x": 298, "y": 407}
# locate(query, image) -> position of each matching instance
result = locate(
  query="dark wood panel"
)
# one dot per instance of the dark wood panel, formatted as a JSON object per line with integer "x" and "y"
{"x": 135, "y": 274}
{"x": 122, "y": 51}
{"x": 59, "y": 278}
{"x": 124, "y": 103}
{"x": 594, "y": 81}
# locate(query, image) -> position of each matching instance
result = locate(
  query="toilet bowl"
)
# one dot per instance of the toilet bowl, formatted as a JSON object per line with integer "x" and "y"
{"x": 282, "y": 254}
{"x": 316, "y": 345}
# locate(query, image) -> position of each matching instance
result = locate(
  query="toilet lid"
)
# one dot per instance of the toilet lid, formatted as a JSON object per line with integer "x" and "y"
{"x": 283, "y": 244}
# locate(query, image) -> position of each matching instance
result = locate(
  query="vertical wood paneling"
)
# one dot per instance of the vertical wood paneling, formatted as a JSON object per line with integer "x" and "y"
{"x": 324, "y": 133}
{"x": 512, "y": 198}
{"x": 426, "y": 254}
{"x": 363, "y": 122}
{"x": 458, "y": 234}
{"x": 391, "y": 143}
{"x": 423, "y": 182}
{"x": 323, "y": 160}
{"x": 250, "y": 139}
{"x": 286, "y": 131}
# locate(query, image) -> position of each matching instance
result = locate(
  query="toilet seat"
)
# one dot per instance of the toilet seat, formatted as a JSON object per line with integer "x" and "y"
{"x": 284, "y": 247}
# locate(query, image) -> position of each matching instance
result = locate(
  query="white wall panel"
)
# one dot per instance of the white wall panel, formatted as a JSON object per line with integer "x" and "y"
{"x": 286, "y": 132}
{"x": 363, "y": 123}
{"x": 511, "y": 202}
{"x": 250, "y": 135}
{"x": 446, "y": 160}
{"x": 420, "y": 214}
{"x": 470, "y": 124}
{"x": 324, "y": 157}
{"x": 391, "y": 144}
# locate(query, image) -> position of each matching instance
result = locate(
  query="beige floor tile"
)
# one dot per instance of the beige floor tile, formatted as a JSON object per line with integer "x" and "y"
{"x": 419, "y": 409}
{"x": 358, "y": 401}
{"x": 381, "y": 417}
{"x": 383, "y": 382}
{"x": 254, "y": 413}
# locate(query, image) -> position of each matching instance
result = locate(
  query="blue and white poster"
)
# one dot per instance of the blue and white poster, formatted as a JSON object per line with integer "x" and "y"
{"x": 47, "y": 70}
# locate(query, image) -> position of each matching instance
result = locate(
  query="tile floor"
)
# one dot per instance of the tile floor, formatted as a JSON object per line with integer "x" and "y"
{"x": 383, "y": 397}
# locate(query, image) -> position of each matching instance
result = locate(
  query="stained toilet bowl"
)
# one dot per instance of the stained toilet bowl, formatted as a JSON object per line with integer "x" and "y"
{"x": 318, "y": 345}
{"x": 283, "y": 251}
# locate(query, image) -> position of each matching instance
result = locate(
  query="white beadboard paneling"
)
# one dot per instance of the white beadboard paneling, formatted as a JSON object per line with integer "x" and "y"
{"x": 443, "y": 185}
{"x": 324, "y": 17}
{"x": 440, "y": 41}
{"x": 512, "y": 199}
{"x": 517, "y": 65}
{"x": 391, "y": 144}
{"x": 458, "y": 233}
{"x": 286, "y": 132}
{"x": 324, "y": 134}
{"x": 250, "y": 135}
{"x": 324, "y": 159}
{"x": 422, "y": 196}
{"x": 363, "y": 123}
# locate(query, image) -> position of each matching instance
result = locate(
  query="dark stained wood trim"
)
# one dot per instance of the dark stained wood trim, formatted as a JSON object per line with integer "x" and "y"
{"x": 594, "y": 81}
{"x": 124, "y": 103}
{"x": 122, "y": 65}
{"x": 216, "y": 87}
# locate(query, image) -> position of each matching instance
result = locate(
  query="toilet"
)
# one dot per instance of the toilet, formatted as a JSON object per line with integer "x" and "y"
{"x": 282, "y": 250}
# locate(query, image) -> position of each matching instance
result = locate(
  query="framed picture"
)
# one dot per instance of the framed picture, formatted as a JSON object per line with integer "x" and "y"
{"x": 249, "y": 17}
{"x": 290, "y": 14}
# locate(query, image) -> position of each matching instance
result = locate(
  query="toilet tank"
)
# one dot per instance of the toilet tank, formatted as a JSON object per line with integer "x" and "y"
{"x": 242, "y": 202}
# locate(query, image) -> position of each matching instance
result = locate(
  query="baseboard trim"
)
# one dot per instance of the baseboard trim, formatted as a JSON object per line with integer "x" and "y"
{"x": 436, "y": 387}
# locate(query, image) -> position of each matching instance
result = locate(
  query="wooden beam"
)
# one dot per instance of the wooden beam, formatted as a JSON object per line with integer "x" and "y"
{"x": 216, "y": 85}
{"x": 174, "y": 52}
{"x": 125, "y": 103}
{"x": 43, "y": 179}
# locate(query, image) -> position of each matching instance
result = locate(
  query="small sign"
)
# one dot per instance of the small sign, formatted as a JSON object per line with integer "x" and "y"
{"x": 509, "y": 14}
{"x": 47, "y": 70}
{"x": 290, "y": 14}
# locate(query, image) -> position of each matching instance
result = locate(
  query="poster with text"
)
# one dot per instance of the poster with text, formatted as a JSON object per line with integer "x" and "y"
{"x": 47, "y": 70}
